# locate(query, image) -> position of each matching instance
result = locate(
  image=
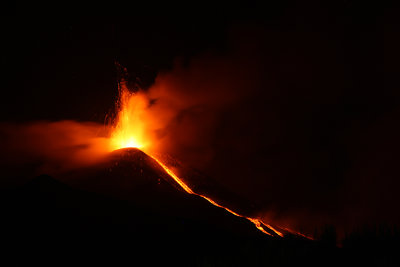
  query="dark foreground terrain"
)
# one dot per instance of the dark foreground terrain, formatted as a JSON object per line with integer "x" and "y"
{"x": 46, "y": 222}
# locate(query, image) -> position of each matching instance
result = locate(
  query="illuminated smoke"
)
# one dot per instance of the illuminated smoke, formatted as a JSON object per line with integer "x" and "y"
{"x": 51, "y": 147}
{"x": 273, "y": 129}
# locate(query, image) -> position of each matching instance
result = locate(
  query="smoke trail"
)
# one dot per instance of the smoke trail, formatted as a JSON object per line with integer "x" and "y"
{"x": 50, "y": 147}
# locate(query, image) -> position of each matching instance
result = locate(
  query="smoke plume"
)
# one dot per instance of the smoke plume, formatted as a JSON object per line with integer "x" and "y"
{"x": 272, "y": 120}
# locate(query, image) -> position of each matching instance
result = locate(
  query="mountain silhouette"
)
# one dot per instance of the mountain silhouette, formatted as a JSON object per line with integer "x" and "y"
{"x": 127, "y": 211}
{"x": 135, "y": 177}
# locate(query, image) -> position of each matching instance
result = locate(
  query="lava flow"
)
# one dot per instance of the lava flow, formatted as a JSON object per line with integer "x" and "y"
{"x": 258, "y": 223}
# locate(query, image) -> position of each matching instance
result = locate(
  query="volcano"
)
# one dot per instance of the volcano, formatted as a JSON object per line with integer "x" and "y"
{"x": 127, "y": 208}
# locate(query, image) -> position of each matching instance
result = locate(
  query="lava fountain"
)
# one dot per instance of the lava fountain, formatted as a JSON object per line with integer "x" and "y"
{"x": 129, "y": 131}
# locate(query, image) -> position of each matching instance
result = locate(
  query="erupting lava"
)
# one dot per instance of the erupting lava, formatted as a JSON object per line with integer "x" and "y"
{"x": 129, "y": 130}
{"x": 132, "y": 130}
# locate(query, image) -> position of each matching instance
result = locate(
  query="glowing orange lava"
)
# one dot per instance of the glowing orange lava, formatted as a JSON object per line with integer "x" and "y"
{"x": 131, "y": 130}
{"x": 257, "y": 222}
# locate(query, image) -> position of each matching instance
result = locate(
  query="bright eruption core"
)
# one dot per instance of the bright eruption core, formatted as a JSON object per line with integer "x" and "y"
{"x": 129, "y": 128}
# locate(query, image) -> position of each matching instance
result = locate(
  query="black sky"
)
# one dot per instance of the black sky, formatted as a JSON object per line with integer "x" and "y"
{"x": 61, "y": 58}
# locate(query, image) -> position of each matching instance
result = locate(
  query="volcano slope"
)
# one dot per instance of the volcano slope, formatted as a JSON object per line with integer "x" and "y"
{"x": 128, "y": 211}
{"x": 131, "y": 175}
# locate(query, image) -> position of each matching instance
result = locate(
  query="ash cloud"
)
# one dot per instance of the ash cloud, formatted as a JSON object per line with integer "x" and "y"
{"x": 278, "y": 120}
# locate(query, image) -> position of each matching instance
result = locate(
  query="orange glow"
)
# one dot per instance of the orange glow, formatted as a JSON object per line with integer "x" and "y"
{"x": 132, "y": 128}
{"x": 297, "y": 233}
{"x": 176, "y": 178}
{"x": 129, "y": 129}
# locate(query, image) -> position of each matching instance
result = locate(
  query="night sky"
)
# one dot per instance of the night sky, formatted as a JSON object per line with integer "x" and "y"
{"x": 307, "y": 127}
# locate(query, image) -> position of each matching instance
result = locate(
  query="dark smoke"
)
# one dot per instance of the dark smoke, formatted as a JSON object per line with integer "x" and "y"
{"x": 278, "y": 120}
